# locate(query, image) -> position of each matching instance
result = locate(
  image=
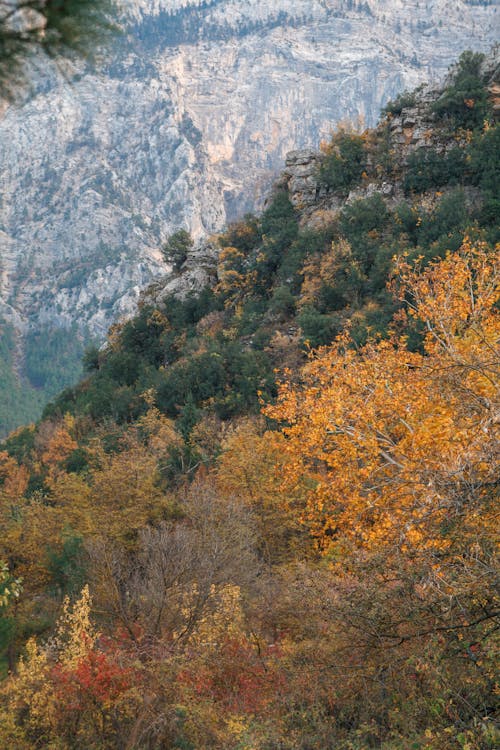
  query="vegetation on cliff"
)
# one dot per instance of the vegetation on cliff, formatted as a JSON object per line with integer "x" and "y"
{"x": 266, "y": 518}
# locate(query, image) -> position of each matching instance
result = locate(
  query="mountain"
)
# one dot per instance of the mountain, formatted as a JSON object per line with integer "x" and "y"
{"x": 210, "y": 335}
{"x": 267, "y": 515}
{"x": 185, "y": 127}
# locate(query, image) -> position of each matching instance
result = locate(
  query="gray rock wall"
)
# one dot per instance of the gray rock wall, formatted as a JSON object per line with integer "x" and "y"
{"x": 96, "y": 175}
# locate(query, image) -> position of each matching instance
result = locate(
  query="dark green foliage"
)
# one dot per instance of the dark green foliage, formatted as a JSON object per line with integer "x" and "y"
{"x": 126, "y": 371}
{"x": 244, "y": 235}
{"x": 90, "y": 359}
{"x": 252, "y": 315}
{"x": 77, "y": 461}
{"x": 123, "y": 367}
{"x": 7, "y": 620}
{"x": 70, "y": 28}
{"x": 484, "y": 154}
{"x": 383, "y": 152}
{"x": 141, "y": 336}
{"x": 180, "y": 462}
{"x": 189, "y": 416}
{"x": 20, "y": 444}
{"x": 343, "y": 166}
{"x": 197, "y": 378}
{"x": 345, "y": 292}
{"x": 183, "y": 314}
{"x": 318, "y": 328}
{"x": 177, "y": 247}
{"x": 465, "y": 102}
{"x": 448, "y": 217}
{"x": 66, "y": 566}
{"x": 283, "y": 303}
{"x": 407, "y": 220}
{"x": 279, "y": 220}
{"x": 226, "y": 378}
{"x": 428, "y": 169}
{"x": 396, "y": 106}
{"x": 432, "y": 233}
{"x": 52, "y": 358}
{"x": 488, "y": 217}
{"x": 7, "y": 633}
{"x": 374, "y": 320}
{"x": 18, "y": 402}
{"x": 364, "y": 223}
{"x": 308, "y": 242}
{"x": 279, "y": 228}
{"x": 364, "y": 216}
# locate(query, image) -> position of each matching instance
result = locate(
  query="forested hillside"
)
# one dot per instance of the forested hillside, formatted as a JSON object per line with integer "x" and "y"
{"x": 183, "y": 126}
{"x": 265, "y": 520}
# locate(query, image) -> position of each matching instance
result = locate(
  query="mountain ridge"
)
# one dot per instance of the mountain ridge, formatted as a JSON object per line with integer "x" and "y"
{"x": 316, "y": 261}
{"x": 266, "y": 517}
{"x": 91, "y": 194}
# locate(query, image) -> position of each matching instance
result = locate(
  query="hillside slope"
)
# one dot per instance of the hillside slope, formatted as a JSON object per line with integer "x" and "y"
{"x": 318, "y": 258}
{"x": 267, "y": 517}
{"x": 185, "y": 127}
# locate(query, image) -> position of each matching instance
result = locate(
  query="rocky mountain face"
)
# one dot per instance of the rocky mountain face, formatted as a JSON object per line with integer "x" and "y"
{"x": 185, "y": 127}
{"x": 409, "y": 128}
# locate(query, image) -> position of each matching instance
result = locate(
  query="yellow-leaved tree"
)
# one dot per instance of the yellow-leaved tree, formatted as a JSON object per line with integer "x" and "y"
{"x": 401, "y": 452}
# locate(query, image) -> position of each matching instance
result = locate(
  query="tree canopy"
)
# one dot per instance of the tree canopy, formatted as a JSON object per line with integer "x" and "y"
{"x": 33, "y": 29}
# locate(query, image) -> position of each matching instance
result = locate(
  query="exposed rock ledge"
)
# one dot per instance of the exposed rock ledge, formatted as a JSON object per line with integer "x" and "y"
{"x": 199, "y": 271}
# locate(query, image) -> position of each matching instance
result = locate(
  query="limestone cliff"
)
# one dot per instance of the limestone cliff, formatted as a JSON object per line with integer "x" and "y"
{"x": 411, "y": 127}
{"x": 186, "y": 127}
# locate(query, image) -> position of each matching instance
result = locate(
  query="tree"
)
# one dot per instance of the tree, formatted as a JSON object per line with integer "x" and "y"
{"x": 465, "y": 101}
{"x": 400, "y": 453}
{"x": 10, "y": 590}
{"x": 70, "y": 691}
{"x": 251, "y": 467}
{"x": 177, "y": 247}
{"x": 30, "y": 28}
{"x": 344, "y": 162}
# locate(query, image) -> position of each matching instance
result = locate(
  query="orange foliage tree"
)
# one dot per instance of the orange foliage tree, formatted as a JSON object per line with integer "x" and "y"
{"x": 401, "y": 451}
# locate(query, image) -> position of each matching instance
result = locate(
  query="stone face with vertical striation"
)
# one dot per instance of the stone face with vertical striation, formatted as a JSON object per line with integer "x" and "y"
{"x": 318, "y": 206}
{"x": 190, "y": 133}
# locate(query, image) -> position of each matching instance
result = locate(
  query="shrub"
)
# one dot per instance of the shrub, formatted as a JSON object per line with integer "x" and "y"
{"x": 317, "y": 328}
{"x": 282, "y": 303}
{"x": 244, "y": 235}
{"x": 363, "y": 223}
{"x": 485, "y": 161}
{"x": 176, "y": 248}
{"x": 465, "y": 102}
{"x": 402, "y": 101}
{"x": 428, "y": 169}
{"x": 344, "y": 163}
{"x": 279, "y": 231}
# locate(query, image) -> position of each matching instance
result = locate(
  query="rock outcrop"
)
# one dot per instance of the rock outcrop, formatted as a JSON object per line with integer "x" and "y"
{"x": 198, "y": 272}
{"x": 412, "y": 129}
{"x": 186, "y": 128}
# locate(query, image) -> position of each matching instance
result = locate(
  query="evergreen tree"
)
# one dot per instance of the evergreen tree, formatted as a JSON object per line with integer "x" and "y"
{"x": 69, "y": 28}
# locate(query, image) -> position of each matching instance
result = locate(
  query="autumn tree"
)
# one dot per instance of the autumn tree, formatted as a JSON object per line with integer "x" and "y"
{"x": 251, "y": 467}
{"x": 400, "y": 451}
{"x": 71, "y": 689}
